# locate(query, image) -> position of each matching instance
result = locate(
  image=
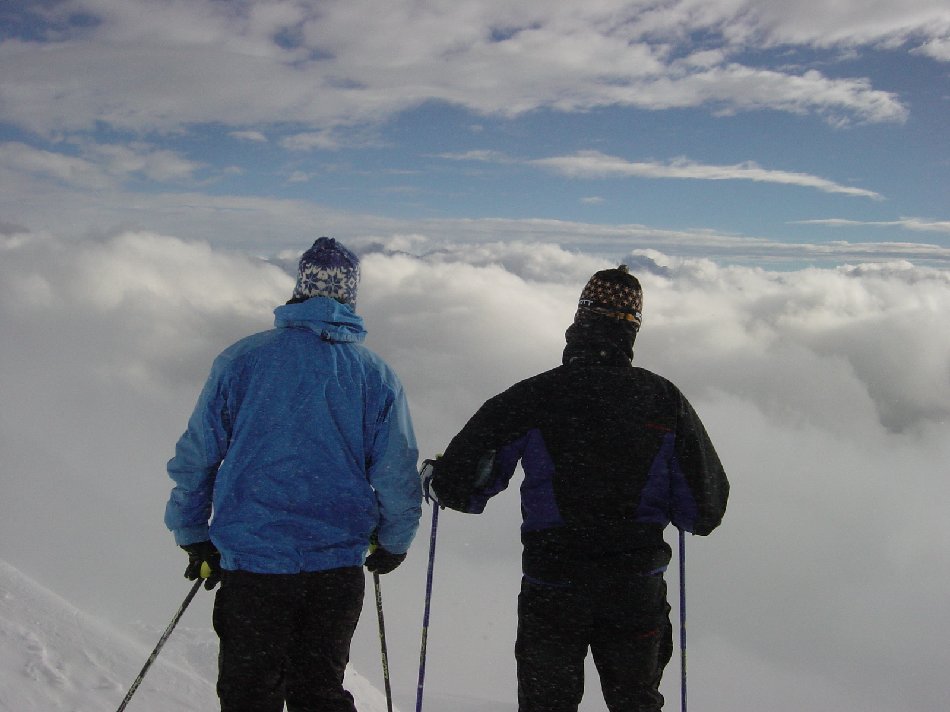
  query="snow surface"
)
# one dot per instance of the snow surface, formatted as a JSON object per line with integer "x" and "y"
{"x": 56, "y": 658}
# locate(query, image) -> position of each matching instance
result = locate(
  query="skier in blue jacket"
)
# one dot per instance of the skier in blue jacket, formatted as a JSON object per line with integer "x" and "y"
{"x": 300, "y": 453}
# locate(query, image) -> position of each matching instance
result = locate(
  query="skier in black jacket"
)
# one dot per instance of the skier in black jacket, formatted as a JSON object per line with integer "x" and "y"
{"x": 611, "y": 455}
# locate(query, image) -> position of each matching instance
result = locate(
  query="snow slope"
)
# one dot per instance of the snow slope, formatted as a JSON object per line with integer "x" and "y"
{"x": 56, "y": 658}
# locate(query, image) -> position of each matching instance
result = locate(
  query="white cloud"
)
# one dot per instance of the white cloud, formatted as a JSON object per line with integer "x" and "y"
{"x": 915, "y": 224}
{"x": 484, "y": 155}
{"x": 20, "y": 158}
{"x": 594, "y": 164}
{"x": 849, "y": 23}
{"x": 98, "y": 166}
{"x": 34, "y": 180}
{"x": 344, "y": 63}
{"x": 255, "y": 136}
{"x": 249, "y": 222}
{"x": 936, "y": 48}
{"x": 826, "y": 392}
{"x": 137, "y": 158}
{"x": 839, "y": 100}
{"x": 307, "y": 141}
{"x": 299, "y": 177}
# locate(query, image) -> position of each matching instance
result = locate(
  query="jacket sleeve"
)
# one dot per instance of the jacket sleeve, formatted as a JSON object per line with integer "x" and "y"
{"x": 198, "y": 454}
{"x": 481, "y": 459}
{"x": 699, "y": 486}
{"x": 393, "y": 474}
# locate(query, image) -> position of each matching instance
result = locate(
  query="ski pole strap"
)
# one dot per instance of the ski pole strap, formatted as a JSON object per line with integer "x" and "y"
{"x": 428, "y": 602}
{"x": 161, "y": 643}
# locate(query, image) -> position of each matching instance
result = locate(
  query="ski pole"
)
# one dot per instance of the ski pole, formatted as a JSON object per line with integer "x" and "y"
{"x": 382, "y": 642}
{"x": 425, "y": 616}
{"x": 683, "y": 620}
{"x": 161, "y": 644}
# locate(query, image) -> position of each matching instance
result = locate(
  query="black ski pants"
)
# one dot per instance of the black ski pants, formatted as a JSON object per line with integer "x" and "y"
{"x": 623, "y": 620}
{"x": 286, "y": 638}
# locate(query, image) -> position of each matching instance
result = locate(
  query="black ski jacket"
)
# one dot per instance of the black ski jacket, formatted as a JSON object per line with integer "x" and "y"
{"x": 611, "y": 455}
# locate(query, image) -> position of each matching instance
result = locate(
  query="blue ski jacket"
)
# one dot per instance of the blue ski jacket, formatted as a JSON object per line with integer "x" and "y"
{"x": 300, "y": 447}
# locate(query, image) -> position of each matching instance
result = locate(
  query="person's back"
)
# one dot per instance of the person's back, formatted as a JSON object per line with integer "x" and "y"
{"x": 611, "y": 455}
{"x": 301, "y": 453}
{"x": 303, "y": 403}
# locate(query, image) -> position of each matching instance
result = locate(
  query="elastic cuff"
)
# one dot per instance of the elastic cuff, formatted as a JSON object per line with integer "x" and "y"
{"x": 191, "y": 535}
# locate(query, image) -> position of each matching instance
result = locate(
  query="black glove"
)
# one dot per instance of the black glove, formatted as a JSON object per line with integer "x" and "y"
{"x": 204, "y": 561}
{"x": 381, "y": 561}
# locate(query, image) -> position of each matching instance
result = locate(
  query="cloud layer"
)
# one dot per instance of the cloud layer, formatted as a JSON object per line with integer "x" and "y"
{"x": 826, "y": 392}
{"x": 336, "y": 62}
{"x": 696, "y": 122}
{"x": 594, "y": 164}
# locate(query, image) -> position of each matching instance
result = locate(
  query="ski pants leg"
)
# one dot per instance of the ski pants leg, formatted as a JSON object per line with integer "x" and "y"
{"x": 624, "y": 621}
{"x": 286, "y": 638}
{"x": 320, "y": 648}
{"x": 632, "y": 642}
{"x": 550, "y": 648}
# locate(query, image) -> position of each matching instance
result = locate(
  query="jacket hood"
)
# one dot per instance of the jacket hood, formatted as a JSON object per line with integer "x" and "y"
{"x": 327, "y": 317}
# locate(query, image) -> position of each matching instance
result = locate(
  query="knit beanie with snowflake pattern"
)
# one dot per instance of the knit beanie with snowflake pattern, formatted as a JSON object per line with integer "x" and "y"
{"x": 328, "y": 269}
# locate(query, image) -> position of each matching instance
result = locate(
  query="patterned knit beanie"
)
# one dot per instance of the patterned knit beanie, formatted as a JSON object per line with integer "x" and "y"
{"x": 612, "y": 294}
{"x": 328, "y": 270}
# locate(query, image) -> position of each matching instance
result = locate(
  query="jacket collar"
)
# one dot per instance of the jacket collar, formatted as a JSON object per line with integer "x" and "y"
{"x": 327, "y": 317}
{"x": 604, "y": 342}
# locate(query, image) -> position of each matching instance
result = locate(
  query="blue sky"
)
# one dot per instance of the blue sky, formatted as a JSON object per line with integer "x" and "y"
{"x": 796, "y": 123}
